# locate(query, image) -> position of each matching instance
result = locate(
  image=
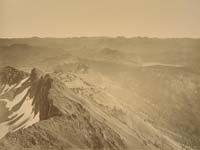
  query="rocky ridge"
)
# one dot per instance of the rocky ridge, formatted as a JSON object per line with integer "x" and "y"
{"x": 63, "y": 121}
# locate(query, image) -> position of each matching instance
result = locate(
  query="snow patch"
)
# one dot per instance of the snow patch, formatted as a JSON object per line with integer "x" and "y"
{"x": 20, "y": 84}
{"x": 4, "y": 129}
{"x": 7, "y": 88}
{"x": 17, "y": 99}
{"x": 24, "y": 116}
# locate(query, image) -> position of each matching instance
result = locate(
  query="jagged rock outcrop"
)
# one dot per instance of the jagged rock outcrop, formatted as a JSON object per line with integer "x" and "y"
{"x": 40, "y": 86}
{"x": 58, "y": 119}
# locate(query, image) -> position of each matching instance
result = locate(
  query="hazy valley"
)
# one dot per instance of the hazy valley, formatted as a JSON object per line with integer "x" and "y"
{"x": 99, "y": 93}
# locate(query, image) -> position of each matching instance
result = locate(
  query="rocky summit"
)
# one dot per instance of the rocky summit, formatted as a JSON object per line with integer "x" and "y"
{"x": 42, "y": 113}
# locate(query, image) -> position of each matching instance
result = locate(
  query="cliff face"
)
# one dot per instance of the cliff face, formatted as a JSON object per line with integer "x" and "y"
{"x": 42, "y": 113}
{"x": 39, "y": 91}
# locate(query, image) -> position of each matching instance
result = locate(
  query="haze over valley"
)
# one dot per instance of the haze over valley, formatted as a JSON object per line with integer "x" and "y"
{"x": 99, "y": 93}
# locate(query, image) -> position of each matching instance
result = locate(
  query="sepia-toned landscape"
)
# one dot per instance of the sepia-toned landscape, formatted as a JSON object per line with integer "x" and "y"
{"x": 99, "y": 93}
{"x": 99, "y": 75}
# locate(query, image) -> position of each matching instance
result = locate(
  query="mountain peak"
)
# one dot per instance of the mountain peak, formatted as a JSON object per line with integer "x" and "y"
{"x": 10, "y": 75}
{"x": 35, "y": 74}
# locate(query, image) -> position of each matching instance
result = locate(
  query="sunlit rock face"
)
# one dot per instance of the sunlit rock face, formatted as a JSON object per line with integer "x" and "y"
{"x": 23, "y": 99}
{"x": 11, "y": 95}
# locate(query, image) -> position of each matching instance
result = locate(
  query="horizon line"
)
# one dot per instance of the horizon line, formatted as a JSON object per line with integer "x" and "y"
{"x": 126, "y": 37}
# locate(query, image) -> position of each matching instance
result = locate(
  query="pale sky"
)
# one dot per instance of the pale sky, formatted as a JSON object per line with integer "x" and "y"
{"x": 68, "y": 18}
